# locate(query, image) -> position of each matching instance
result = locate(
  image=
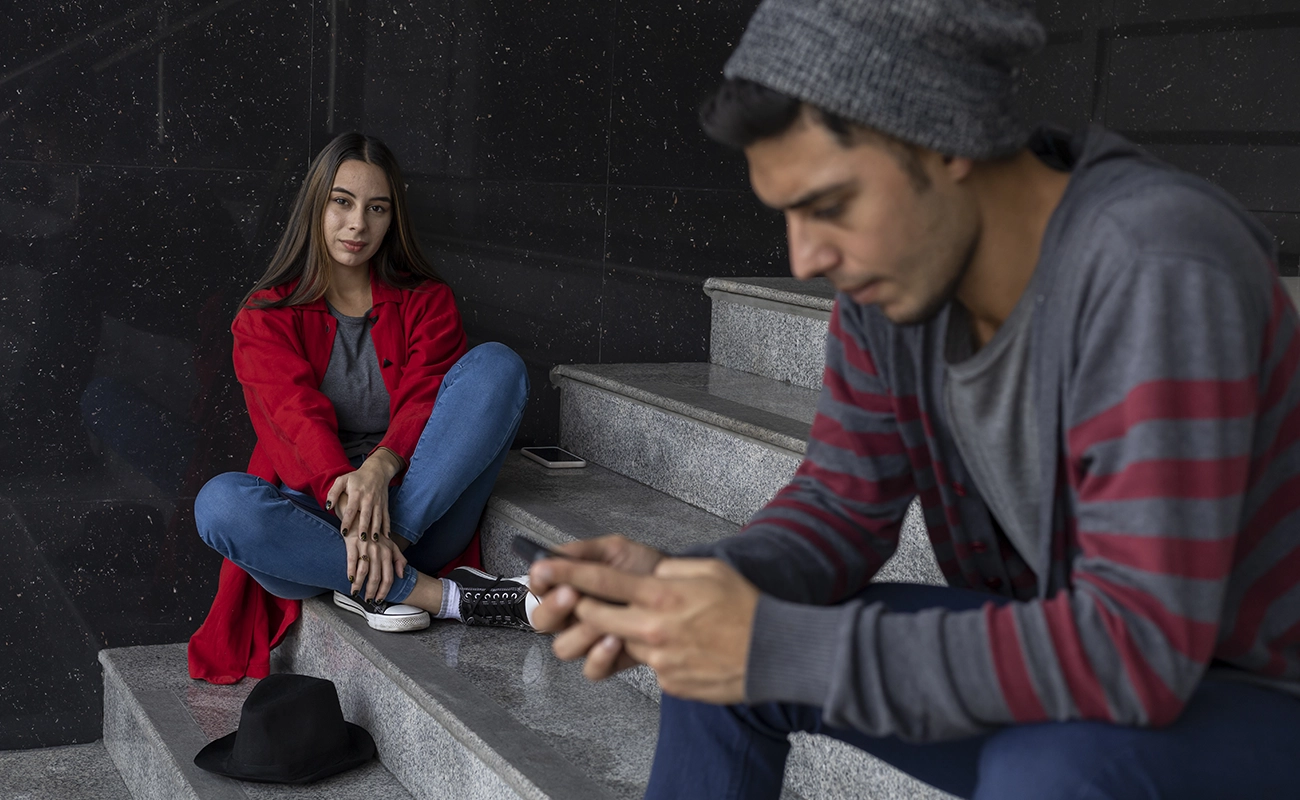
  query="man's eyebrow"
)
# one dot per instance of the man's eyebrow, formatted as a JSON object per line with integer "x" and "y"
{"x": 815, "y": 195}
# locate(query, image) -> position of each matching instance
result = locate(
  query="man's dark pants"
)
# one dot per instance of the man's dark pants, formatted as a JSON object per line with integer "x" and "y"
{"x": 1232, "y": 740}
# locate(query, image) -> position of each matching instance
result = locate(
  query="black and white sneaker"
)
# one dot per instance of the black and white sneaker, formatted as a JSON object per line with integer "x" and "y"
{"x": 490, "y": 600}
{"x": 382, "y": 615}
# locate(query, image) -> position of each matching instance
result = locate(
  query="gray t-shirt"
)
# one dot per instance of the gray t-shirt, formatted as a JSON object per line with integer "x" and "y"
{"x": 354, "y": 384}
{"x": 990, "y": 397}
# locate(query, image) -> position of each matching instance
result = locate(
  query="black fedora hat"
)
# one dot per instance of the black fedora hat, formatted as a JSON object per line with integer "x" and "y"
{"x": 290, "y": 731}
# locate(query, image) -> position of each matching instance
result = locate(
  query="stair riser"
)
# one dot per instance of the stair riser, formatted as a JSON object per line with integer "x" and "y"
{"x": 716, "y": 470}
{"x": 821, "y": 768}
{"x": 783, "y": 343}
{"x": 432, "y": 756}
{"x": 147, "y": 772}
{"x": 152, "y": 766}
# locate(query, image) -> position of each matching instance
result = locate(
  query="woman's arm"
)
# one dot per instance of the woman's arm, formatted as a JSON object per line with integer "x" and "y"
{"x": 294, "y": 421}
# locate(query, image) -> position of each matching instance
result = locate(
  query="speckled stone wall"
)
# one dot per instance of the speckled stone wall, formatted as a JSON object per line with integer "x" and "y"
{"x": 148, "y": 151}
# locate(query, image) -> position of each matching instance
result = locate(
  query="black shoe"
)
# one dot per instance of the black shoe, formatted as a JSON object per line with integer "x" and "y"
{"x": 383, "y": 615}
{"x": 489, "y": 600}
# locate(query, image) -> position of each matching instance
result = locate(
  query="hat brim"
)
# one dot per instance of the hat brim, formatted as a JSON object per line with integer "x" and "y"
{"x": 218, "y": 757}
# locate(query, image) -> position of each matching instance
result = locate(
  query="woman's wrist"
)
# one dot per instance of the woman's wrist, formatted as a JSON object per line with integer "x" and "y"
{"x": 391, "y": 462}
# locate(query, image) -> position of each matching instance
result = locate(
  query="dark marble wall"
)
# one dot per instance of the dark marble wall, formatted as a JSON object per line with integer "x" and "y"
{"x": 1207, "y": 85}
{"x": 561, "y": 180}
{"x": 148, "y": 151}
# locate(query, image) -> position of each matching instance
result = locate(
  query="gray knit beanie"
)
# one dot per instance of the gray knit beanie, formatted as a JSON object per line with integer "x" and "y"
{"x": 937, "y": 73}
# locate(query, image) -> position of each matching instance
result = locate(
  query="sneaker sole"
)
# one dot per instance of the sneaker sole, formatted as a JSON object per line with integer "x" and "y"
{"x": 380, "y": 622}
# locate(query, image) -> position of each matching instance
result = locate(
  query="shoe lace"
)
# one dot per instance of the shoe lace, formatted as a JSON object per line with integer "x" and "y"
{"x": 494, "y": 602}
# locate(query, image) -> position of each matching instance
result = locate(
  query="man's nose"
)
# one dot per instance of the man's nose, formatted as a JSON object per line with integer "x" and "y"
{"x": 810, "y": 256}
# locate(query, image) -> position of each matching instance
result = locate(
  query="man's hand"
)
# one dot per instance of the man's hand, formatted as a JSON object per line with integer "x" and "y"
{"x": 605, "y": 655}
{"x": 690, "y": 621}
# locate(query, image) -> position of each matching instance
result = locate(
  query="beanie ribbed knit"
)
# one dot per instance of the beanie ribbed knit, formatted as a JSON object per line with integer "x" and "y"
{"x": 936, "y": 73}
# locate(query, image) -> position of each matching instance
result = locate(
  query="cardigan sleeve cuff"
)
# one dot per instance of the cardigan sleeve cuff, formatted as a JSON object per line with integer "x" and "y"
{"x": 792, "y": 651}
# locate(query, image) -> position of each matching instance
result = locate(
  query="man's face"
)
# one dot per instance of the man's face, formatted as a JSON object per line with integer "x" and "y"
{"x": 855, "y": 216}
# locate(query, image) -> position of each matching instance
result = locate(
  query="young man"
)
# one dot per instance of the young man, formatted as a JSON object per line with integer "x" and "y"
{"x": 1081, "y": 361}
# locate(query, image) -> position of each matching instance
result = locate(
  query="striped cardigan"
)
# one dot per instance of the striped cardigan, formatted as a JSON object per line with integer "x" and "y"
{"x": 1167, "y": 388}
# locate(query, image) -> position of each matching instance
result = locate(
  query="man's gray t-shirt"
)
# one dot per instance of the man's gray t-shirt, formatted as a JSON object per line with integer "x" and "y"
{"x": 990, "y": 397}
{"x": 354, "y": 384}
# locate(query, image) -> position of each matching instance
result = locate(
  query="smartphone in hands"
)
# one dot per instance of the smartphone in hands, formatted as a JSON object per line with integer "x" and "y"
{"x": 531, "y": 551}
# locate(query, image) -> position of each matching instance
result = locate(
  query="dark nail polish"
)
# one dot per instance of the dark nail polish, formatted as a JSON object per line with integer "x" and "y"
{"x": 345, "y": 531}
{"x": 329, "y": 504}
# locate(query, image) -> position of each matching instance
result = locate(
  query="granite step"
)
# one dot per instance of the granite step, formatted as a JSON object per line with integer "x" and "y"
{"x": 73, "y": 772}
{"x": 556, "y": 506}
{"x": 1292, "y": 285}
{"x": 718, "y": 438}
{"x": 722, "y": 440}
{"x": 156, "y": 718}
{"x": 478, "y": 712}
{"x": 773, "y": 327}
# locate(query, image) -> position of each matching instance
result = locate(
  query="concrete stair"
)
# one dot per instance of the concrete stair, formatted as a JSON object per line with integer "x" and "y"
{"x": 774, "y": 327}
{"x": 681, "y": 454}
{"x": 74, "y": 772}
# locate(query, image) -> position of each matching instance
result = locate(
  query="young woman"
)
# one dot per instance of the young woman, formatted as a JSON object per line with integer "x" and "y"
{"x": 379, "y": 436}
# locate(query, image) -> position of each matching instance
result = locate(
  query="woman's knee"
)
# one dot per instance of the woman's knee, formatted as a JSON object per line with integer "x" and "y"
{"x": 221, "y": 504}
{"x": 501, "y": 363}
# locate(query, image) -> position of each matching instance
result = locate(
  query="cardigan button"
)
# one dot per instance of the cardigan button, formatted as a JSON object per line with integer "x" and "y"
{"x": 959, "y": 489}
{"x": 979, "y": 547}
{"x": 387, "y": 363}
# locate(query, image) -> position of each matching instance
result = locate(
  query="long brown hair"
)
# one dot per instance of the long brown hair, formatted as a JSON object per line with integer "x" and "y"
{"x": 302, "y": 253}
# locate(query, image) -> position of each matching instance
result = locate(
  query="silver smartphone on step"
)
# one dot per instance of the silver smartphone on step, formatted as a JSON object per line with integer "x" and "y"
{"x": 553, "y": 457}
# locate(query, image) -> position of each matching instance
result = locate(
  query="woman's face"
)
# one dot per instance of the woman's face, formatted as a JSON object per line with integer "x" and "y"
{"x": 357, "y": 214}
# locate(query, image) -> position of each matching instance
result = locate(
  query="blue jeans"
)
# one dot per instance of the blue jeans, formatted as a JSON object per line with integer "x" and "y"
{"x": 292, "y": 547}
{"x": 1232, "y": 740}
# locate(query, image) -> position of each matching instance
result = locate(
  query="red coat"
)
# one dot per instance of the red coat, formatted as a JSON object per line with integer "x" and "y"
{"x": 280, "y": 359}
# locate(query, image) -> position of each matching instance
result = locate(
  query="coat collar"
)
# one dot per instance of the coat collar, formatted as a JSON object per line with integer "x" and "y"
{"x": 380, "y": 292}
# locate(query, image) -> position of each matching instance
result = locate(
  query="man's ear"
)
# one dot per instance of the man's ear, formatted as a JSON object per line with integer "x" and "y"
{"x": 958, "y": 167}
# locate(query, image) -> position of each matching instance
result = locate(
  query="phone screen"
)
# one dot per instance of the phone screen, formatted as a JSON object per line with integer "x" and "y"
{"x": 531, "y": 551}
{"x": 553, "y": 454}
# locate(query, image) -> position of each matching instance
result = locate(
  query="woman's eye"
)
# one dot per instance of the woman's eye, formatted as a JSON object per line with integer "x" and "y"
{"x": 379, "y": 209}
{"x": 341, "y": 201}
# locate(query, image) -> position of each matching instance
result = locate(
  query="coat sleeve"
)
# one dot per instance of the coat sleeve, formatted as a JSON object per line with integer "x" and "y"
{"x": 293, "y": 419}
{"x": 435, "y": 341}
{"x": 1159, "y": 443}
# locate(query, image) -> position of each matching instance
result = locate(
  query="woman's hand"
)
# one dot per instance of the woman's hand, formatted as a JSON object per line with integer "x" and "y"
{"x": 360, "y": 499}
{"x": 372, "y": 563}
